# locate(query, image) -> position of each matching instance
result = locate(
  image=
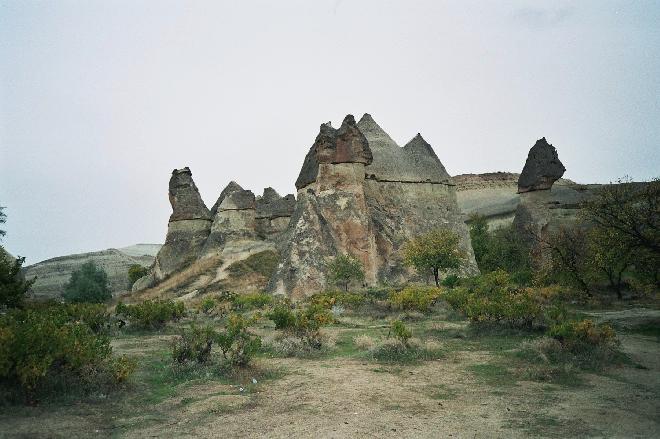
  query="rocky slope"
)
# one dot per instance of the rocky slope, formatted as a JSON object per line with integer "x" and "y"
{"x": 52, "y": 274}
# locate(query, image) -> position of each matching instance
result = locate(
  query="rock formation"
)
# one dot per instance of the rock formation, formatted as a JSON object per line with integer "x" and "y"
{"x": 187, "y": 230}
{"x": 362, "y": 194}
{"x": 542, "y": 168}
{"x": 358, "y": 193}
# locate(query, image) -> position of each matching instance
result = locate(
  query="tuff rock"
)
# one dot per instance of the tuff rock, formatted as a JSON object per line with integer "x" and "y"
{"x": 542, "y": 168}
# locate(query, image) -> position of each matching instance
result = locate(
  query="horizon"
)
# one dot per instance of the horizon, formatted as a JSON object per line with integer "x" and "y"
{"x": 98, "y": 104}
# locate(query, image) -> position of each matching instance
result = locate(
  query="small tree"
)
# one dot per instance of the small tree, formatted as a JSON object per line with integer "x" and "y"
{"x": 434, "y": 251}
{"x": 13, "y": 286}
{"x": 344, "y": 269}
{"x": 609, "y": 255}
{"x": 135, "y": 272}
{"x": 89, "y": 283}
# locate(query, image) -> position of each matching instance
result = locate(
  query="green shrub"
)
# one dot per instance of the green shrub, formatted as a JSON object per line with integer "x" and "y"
{"x": 89, "y": 284}
{"x": 193, "y": 344}
{"x": 492, "y": 298}
{"x": 40, "y": 346}
{"x": 237, "y": 343}
{"x": 304, "y": 323}
{"x": 414, "y": 298}
{"x": 400, "y": 332}
{"x": 329, "y": 299}
{"x": 579, "y": 335}
{"x": 95, "y": 316}
{"x": 207, "y": 305}
{"x": 151, "y": 314}
{"x": 263, "y": 263}
{"x": 135, "y": 272}
{"x": 251, "y": 301}
{"x": 450, "y": 281}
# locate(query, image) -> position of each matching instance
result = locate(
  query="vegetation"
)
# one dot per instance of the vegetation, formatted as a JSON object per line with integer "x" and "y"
{"x": 3, "y": 219}
{"x": 303, "y": 323}
{"x": 262, "y": 263}
{"x": 493, "y": 298}
{"x": 52, "y": 348}
{"x": 414, "y": 298}
{"x": 500, "y": 249}
{"x": 150, "y": 314}
{"x": 345, "y": 269}
{"x": 135, "y": 272}
{"x": 13, "y": 286}
{"x": 87, "y": 284}
{"x": 435, "y": 251}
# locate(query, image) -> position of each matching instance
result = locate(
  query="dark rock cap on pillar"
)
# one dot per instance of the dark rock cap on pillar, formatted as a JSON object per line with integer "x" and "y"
{"x": 344, "y": 145}
{"x": 542, "y": 168}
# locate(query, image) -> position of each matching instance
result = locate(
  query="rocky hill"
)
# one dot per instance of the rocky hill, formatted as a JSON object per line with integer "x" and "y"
{"x": 52, "y": 274}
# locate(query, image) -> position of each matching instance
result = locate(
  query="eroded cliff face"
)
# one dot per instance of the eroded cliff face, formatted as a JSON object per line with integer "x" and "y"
{"x": 360, "y": 193}
{"x": 408, "y": 193}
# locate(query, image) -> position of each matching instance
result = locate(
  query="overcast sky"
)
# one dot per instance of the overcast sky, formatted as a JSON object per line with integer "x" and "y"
{"x": 100, "y": 100}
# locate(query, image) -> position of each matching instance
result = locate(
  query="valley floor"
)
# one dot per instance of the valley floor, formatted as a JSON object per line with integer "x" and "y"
{"x": 474, "y": 388}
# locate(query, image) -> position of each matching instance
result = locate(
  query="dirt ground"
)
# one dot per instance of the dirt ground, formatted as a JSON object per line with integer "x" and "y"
{"x": 472, "y": 390}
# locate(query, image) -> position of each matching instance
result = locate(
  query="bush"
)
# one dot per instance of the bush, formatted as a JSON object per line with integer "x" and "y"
{"x": 193, "y": 344}
{"x": 493, "y": 298}
{"x": 207, "y": 305}
{"x": 329, "y": 299}
{"x": 577, "y": 336}
{"x": 304, "y": 323}
{"x": 414, "y": 298}
{"x": 41, "y": 346}
{"x": 151, "y": 314}
{"x": 237, "y": 344}
{"x": 251, "y": 301}
{"x": 393, "y": 351}
{"x": 88, "y": 284}
{"x": 450, "y": 281}
{"x": 400, "y": 332}
{"x": 135, "y": 272}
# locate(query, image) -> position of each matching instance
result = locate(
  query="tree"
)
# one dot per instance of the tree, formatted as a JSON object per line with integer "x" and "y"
{"x": 89, "y": 283}
{"x": 3, "y": 219}
{"x": 569, "y": 256}
{"x": 500, "y": 249}
{"x": 609, "y": 255}
{"x": 135, "y": 272}
{"x": 630, "y": 209}
{"x": 13, "y": 286}
{"x": 434, "y": 251}
{"x": 345, "y": 268}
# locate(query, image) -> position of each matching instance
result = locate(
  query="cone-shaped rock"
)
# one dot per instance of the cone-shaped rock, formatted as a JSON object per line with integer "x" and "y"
{"x": 542, "y": 168}
{"x": 231, "y": 187}
{"x": 184, "y": 197}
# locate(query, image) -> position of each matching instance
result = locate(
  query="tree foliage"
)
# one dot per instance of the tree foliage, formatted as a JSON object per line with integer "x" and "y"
{"x": 500, "y": 249}
{"x": 13, "y": 286}
{"x": 135, "y": 272}
{"x": 434, "y": 251}
{"x": 3, "y": 219}
{"x": 88, "y": 284}
{"x": 344, "y": 269}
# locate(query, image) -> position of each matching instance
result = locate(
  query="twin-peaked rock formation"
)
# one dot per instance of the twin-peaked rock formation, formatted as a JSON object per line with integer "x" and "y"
{"x": 358, "y": 193}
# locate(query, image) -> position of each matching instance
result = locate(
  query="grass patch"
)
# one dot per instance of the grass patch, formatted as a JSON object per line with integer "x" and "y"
{"x": 493, "y": 374}
{"x": 442, "y": 392}
{"x": 263, "y": 263}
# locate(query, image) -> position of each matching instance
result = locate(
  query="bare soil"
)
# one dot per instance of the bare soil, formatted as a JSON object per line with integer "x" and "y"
{"x": 473, "y": 389}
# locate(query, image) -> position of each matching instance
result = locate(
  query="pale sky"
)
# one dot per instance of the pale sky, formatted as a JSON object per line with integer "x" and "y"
{"x": 100, "y": 100}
